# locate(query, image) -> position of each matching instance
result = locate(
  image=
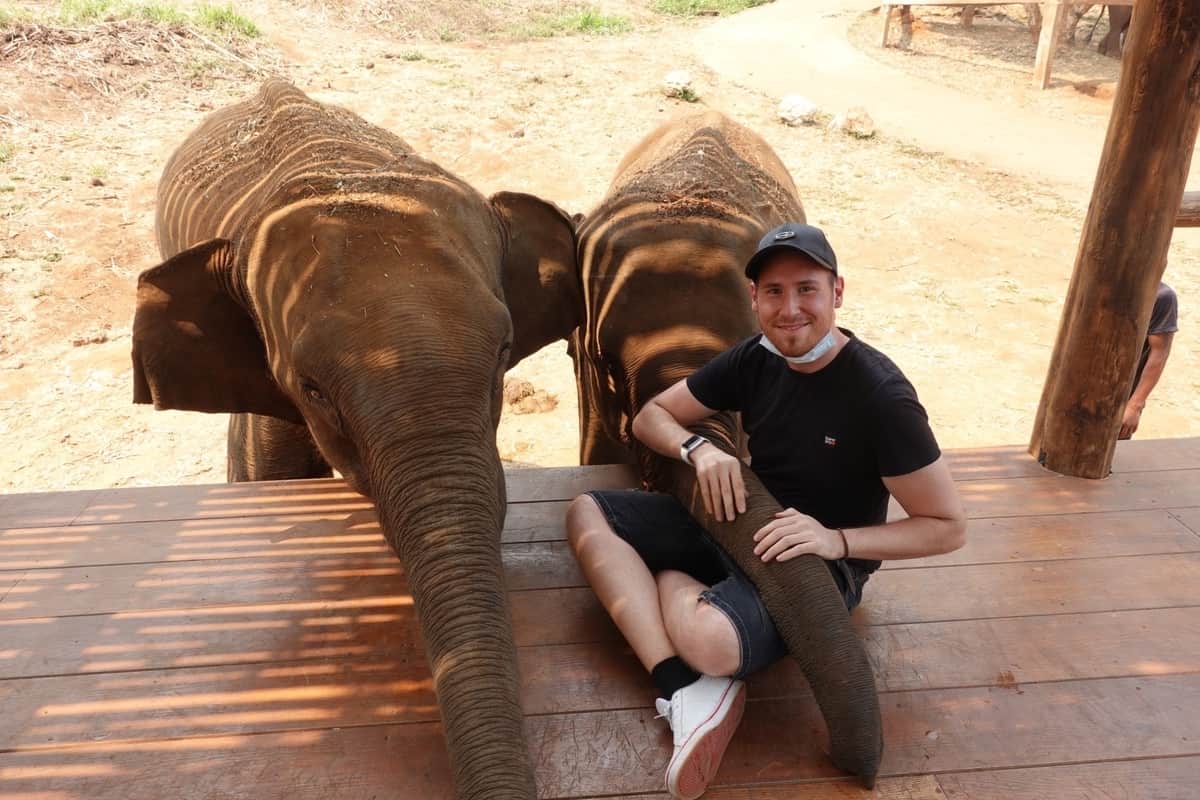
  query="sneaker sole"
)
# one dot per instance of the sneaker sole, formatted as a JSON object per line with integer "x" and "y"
{"x": 698, "y": 759}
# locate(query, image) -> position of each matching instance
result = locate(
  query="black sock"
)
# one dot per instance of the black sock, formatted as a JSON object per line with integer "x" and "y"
{"x": 672, "y": 674}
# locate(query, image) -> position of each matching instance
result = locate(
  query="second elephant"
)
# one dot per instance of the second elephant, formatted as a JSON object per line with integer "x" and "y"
{"x": 662, "y": 262}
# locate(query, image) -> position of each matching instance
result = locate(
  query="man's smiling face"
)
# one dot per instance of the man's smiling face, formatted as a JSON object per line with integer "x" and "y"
{"x": 794, "y": 298}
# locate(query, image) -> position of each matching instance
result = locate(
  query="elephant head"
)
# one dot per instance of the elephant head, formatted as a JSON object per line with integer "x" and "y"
{"x": 318, "y": 272}
{"x": 661, "y": 263}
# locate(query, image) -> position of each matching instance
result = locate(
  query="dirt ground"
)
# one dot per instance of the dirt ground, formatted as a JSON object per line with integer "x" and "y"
{"x": 954, "y": 268}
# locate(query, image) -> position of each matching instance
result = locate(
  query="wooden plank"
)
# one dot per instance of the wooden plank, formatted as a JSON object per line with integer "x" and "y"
{"x": 404, "y": 761}
{"x": 599, "y": 669}
{"x": 267, "y": 498}
{"x": 1153, "y": 779}
{"x": 370, "y": 627}
{"x": 42, "y": 508}
{"x": 1189, "y": 211}
{"x": 158, "y": 704}
{"x": 608, "y": 753}
{"x": 1141, "y": 455}
{"x": 917, "y": 787}
{"x": 565, "y": 483}
{"x": 1129, "y": 491}
{"x": 357, "y": 533}
{"x": 1053, "y": 17}
{"x": 195, "y": 584}
{"x": 1113, "y": 533}
{"x": 1052, "y": 587}
{"x": 1041, "y": 494}
{"x": 382, "y": 626}
{"x": 552, "y": 616}
{"x": 318, "y": 496}
{"x": 624, "y": 751}
{"x": 302, "y": 535}
{"x": 1008, "y": 652}
{"x": 225, "y": 538}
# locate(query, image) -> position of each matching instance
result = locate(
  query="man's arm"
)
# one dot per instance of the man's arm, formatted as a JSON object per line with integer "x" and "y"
{"x": 1156, "y": 361}
{"x": 662, "y": 424}
{"x": 936, "y": 523}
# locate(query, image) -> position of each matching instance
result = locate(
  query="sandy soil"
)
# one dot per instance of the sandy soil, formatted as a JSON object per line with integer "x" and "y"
{"x": 953, "y": 267}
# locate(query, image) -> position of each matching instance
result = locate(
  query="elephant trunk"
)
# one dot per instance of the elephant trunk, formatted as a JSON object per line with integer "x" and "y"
{"x": 442, "y": 513}
{"x": 803, "y": 601}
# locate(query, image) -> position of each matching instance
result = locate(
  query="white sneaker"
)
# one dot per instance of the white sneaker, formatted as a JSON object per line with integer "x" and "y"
{"x": 703, "y": 716}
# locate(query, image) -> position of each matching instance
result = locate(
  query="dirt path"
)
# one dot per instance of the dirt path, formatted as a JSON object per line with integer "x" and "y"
{"x": 955, "y": 269}
{"x": 804, "y": 47}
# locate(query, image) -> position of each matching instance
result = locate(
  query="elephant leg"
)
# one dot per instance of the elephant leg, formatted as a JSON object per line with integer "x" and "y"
{"x": 269, "y": 449}
{"x": 1118, "y": 21}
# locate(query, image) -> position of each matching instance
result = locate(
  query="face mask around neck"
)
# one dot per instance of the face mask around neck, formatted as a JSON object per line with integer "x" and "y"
{"x": 819, "y": 349}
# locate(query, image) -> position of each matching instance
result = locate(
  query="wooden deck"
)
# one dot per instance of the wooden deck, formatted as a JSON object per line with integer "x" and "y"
{"x": 257, "y": 641}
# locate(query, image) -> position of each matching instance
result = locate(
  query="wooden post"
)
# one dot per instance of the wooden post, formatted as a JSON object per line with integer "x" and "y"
{"x": 1123, "y": 248}
{"x": 887, "y": 23}
{"x": 1189, "y": 211}
{"x": 1054, "y": 15}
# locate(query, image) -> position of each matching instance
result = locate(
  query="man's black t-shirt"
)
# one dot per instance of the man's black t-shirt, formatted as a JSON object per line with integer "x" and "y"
{"x": 821, "y": 442}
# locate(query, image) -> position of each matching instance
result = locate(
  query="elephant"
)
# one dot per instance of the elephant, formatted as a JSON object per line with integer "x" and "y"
{"x": 355, "y": 306}
{"x": 661, "y": 262}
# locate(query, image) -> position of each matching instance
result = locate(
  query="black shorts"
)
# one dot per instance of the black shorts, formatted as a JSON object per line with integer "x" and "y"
{"x": 666, "y": 536}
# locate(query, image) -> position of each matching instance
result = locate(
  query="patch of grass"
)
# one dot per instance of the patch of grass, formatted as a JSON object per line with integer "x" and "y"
{"x": 8, "y": 188}
{"x": 12, "y": 16}
{"x": 686, "y": 94}
{"x": 449, "y": 35}
{"x": 412, "y": 55}
{"x": 584, "y": 20}
{"x": 7, "y": 151}
{"x": 98, "y": 171}
{"x": 75, "y": 12}
{"x": 695, "y": 8}
{"x": 223, "y": 19}
{"x": 53, "y": 257}
{"x": 226, "y": 20}
{"x": 164, "y": 13}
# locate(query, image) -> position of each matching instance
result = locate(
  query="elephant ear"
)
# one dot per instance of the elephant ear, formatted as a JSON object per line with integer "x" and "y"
{"x": 540, "y": 271}
{"x": 195, "y": 348}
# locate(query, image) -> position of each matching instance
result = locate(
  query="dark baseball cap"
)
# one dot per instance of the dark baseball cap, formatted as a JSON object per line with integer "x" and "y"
{"x": 792, "y": 236}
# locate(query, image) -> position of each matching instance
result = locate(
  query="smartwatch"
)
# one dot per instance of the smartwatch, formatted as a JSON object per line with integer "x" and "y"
{"x": 690, "y": 444}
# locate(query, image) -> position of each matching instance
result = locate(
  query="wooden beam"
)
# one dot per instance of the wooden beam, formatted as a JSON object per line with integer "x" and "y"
{"x": 1123, "y": 249}
{"x": 1054, "y": 15}
{"x": 1189, "y": 211}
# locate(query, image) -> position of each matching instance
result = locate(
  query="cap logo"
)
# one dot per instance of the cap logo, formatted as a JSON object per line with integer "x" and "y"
{"x": 779, "y": 237}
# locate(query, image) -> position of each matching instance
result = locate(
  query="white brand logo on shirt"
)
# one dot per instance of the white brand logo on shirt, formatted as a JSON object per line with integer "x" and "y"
{"x": 830, "y": 441}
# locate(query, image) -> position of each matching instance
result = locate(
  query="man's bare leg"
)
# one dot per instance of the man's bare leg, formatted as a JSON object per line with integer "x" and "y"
{"x": 621, "y": 580}
{"x": 701, "y": 633}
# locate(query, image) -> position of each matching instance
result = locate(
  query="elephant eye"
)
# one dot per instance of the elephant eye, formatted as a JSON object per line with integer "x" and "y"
{"x": 311, "y": 391}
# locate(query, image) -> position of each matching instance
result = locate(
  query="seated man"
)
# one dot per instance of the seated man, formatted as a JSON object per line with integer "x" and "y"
{"x": 1164, "y": 323}
{"x": 834, "y": 427}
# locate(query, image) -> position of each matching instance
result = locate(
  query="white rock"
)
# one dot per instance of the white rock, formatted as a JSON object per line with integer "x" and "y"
{"x": 855, "y": 122}
{"x": 677, "y": 82}
{"x": 797, "y": 110}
